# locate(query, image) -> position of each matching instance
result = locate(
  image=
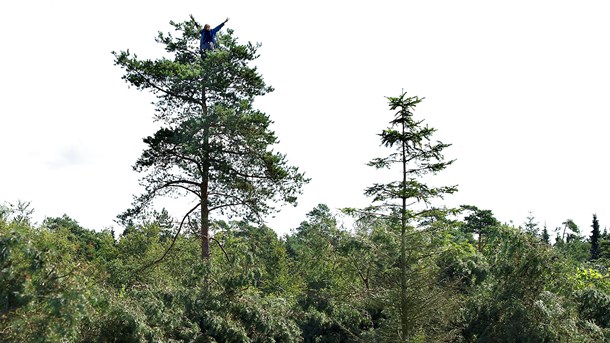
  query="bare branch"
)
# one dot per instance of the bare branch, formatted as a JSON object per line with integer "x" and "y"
{"x": 173, "y": 241}
{"x": 221, "y": 248}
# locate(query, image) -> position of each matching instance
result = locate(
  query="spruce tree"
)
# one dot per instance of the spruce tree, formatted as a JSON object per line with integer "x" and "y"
{"x": 415, "y": 155}
{"x": 531, "y": 226}
{"x": 546, "y": 238}
{"x": 595, "y": 239}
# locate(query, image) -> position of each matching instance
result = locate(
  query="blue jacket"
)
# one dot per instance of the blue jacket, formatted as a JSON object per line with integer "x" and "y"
{"x": 208, "y": 37}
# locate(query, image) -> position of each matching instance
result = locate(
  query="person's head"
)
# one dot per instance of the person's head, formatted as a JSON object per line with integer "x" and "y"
{"x": 206, "y": 27}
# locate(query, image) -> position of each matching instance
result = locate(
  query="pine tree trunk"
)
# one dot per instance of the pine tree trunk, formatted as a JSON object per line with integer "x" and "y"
{"x": 205, "y": 222}
{"x": 205, "y": 213}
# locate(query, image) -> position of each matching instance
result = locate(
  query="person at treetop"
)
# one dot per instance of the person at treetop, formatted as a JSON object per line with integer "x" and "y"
{"x": 208, "y": 37}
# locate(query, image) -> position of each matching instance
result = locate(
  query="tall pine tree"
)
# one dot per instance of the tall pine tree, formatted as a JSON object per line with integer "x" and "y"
{"x": 213, "y": 147}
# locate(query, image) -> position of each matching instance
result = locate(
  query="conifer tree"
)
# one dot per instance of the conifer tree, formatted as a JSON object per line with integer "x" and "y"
{"x": 214, "y": 146}
{"x": 415, "y": 155}
{"x": 479, "y": 222}
{"x": 546, "y": 238}
{"x": 531, "y": 226}
{"x": 595, "y": 238}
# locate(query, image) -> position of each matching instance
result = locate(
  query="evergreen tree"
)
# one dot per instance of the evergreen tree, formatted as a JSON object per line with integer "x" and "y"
{"x": 416, "y": 155}
{"x": 546, "y": 238}
{"x": 479, "y": 222}
{"x": 213, "y": 146}
{"x": 595, "y": 239}
{"x": 531, "y": 226}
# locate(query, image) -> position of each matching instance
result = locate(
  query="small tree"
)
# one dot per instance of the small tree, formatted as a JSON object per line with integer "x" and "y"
{"x": 479, "y": 222}
{"x": 595, "y": 235}
{"x": 571, "y": 243}
{"x": 531, "y": 226}
{"x": 546, "y": 238}
{"x": 570, "y": 230}
{"x": 213, "y": 146}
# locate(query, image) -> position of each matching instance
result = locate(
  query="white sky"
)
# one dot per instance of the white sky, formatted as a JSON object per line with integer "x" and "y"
{"x": 520, "y": 88}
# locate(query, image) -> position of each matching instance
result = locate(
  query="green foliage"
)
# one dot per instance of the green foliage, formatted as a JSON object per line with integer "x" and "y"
{"x": 591, "y": 277}
{"x": 594, "y": 305}
{"x": 521, "y": 299}
{"x": 44, "y": 291}
{"x": 321, "y": 283}
{"x": 462, "y": 267}
{"x": 268, "y": 255}
{"x": 592, "y": 296}
{"x": 89, "y": 245}
{"x": 481, "y": 223}
{"x": 329, "y": 279}
{"x": 604, "y": 249}
{"x": 248, "y": 316}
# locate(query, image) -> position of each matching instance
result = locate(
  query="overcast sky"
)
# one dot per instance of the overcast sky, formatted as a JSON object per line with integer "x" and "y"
{"x": 520, "y": 88}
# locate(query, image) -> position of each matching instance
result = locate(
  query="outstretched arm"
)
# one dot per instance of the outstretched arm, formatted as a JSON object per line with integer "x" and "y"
{"x": 217, "y": 28}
